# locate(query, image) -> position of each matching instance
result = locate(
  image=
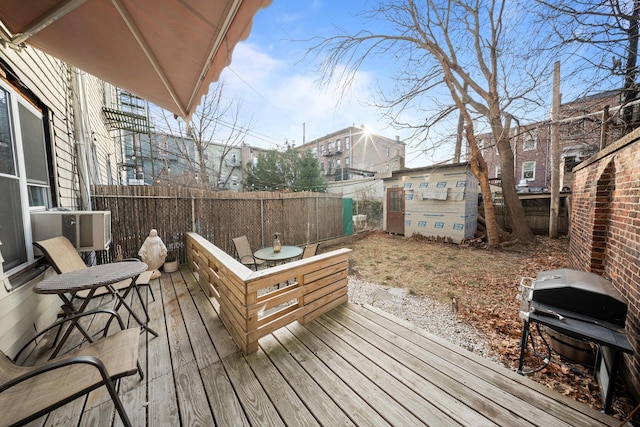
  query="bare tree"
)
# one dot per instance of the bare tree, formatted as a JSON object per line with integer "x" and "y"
{"x": 206, "y": 141}
{"x": 455, "y": 47}
{"x": 608, "y": 31}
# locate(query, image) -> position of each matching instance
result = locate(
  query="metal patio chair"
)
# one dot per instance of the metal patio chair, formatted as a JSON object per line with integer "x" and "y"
{"x": 245, "y": 254}
{"x": 63, "y": 257}
{"x": 310, "y": 250}
{"x": 29, "y": 392}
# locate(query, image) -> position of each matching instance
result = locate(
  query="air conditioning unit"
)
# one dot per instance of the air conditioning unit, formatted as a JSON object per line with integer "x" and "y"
{"x": 87, "y": 230}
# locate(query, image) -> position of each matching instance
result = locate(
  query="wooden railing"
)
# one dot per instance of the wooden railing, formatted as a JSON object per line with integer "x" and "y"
{"x": 256, "y": 303}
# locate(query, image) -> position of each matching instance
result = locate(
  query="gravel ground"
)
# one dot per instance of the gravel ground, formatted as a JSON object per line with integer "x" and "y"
{"x": 432, "y": 316}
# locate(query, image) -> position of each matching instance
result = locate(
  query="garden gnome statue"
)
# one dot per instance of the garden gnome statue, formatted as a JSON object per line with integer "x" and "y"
{"x": 153, "y": 253}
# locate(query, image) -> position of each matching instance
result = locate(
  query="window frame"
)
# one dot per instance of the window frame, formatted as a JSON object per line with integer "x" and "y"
{"x": 15, "y": 102}
{"x": 525, "y": 169}
{"x": 530, "y": 140}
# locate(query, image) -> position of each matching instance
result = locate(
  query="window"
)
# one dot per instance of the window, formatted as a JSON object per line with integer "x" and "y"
{"x": 322, "y": 150}
{"x": 529, "y": 171}
{"x": 529, "y": 139}
{"x": 498, "y": 172}
{"x": 338, "y": 146}
{"x": 234, "y": 159}
{"x": 24, "y": 177}
{"x": 330, "y": 147}
{"x": 388, "y": 151}
{"x": 347, "y": 142}
{"x": 346, "y": 162}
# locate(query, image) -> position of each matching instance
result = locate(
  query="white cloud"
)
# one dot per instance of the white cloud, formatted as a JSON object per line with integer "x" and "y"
{"x": 280, "y": 96}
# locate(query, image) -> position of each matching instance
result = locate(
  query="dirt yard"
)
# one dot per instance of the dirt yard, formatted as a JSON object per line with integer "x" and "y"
{"x": 483, "y": 287}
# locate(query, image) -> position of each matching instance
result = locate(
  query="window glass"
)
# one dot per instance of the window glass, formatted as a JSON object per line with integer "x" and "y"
{"x": 35, "y": 157}
{"x": 529, "y": 140}
{"x": 11, "y": 224}
{"x": 7, "y": 157}
{"x": 529, "y": 170}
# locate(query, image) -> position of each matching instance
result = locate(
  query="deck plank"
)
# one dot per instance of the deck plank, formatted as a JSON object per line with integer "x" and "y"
{"x": 463, "y": 404}
{"x": 158, "y": 353}
{"x": 285, "y": 399}
{"x": 203, "y": 349}
{"x": 519, "y": 387}
{"x": 401, "y": 393}
{"x": 191, "y": 396}
{"x": 355, "y": 365}
{"x": 257, "y": 406}
{"x": 464, "y": 397}
{"x": 163, "y": 406}
{"x": 208, "y": 313}
{"x": 179, "y": 344}
{"x": 373, "y": 393}
{"x": 225, "y": 405}
{"x": 347, "y": 398}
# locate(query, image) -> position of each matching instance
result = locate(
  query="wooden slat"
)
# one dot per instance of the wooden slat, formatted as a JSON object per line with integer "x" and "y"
{"x": 258, "y": 407}
{"x": 277, "y": 386}
{"x": 468, "y": 403}
{"x": 348, "y": 399}
{"x": 163, "y": 406}
{"x": 516, "y": 385}
{"x": 226, "y": 407}
{"x": 179, "y": 345}
{"x": 201, "y": 345}
{"x": 372, "y": 390}
{"x": 355, "y": 365}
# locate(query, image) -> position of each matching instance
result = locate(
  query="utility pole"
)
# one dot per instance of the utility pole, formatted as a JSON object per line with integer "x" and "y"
{"x": 555, "y": 154}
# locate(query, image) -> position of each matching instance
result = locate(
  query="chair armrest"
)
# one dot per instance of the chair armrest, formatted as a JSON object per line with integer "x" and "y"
{"x": 61, "y": 322}
{"x": 56, "y": 364}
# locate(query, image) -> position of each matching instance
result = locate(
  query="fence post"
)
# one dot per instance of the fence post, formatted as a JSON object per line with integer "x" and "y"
{"x": 262, "y": 222}
{"x": 193, "y": 214}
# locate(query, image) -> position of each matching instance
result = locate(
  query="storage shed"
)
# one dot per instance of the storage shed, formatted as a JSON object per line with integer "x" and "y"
{"x": 435, "y": 201}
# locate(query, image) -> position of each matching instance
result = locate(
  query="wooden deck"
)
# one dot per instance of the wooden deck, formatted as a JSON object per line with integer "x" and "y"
{"x": 352, "y": 366}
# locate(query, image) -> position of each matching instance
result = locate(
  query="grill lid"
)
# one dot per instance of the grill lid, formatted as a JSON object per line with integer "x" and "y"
{"x": 580, "y": 292}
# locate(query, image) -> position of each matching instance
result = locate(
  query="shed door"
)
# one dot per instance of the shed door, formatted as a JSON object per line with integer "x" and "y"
{"x": 395, "y": 210}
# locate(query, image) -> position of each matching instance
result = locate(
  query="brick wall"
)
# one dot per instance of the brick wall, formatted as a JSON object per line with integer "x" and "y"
{"x": 605, "y": 229}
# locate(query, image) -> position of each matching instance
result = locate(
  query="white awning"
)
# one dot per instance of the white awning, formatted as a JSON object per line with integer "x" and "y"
{"x": 164, "y": 51}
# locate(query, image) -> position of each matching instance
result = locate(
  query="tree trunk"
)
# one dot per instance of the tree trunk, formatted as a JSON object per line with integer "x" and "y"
{"x": 519, "y": 226}
{"x": 479, "y": 169}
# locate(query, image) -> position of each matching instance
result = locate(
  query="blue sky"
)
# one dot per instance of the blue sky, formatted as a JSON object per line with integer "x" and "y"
{"x": 280, "y": 89}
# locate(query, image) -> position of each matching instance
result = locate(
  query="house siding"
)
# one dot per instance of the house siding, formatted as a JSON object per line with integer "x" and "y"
{"x": 605, "y": 229}
{"x": 54, "y": 85}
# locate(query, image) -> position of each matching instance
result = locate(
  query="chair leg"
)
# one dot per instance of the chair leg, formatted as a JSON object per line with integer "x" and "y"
{"x": 118, "y": 404}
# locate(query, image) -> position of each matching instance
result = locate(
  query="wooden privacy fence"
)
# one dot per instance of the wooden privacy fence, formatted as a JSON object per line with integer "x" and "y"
{"x": 300, "y": 218}
{"x": 256, "y": 303}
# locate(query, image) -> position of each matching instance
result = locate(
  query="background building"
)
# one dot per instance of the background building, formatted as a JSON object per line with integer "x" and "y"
{"x": 354, "y": 153}
{"x": 580, "y": 137}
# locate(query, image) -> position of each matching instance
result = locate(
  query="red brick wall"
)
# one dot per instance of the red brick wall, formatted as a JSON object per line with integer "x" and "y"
{"x": 605, "y": 229}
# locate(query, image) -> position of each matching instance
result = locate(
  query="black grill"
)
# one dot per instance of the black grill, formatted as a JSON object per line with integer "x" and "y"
{"x": 583, "y": 306}
{"x": 587, "y": 295}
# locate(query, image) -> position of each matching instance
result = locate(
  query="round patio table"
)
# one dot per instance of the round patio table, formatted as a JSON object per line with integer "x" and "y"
{"x": 286, "y": 253}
